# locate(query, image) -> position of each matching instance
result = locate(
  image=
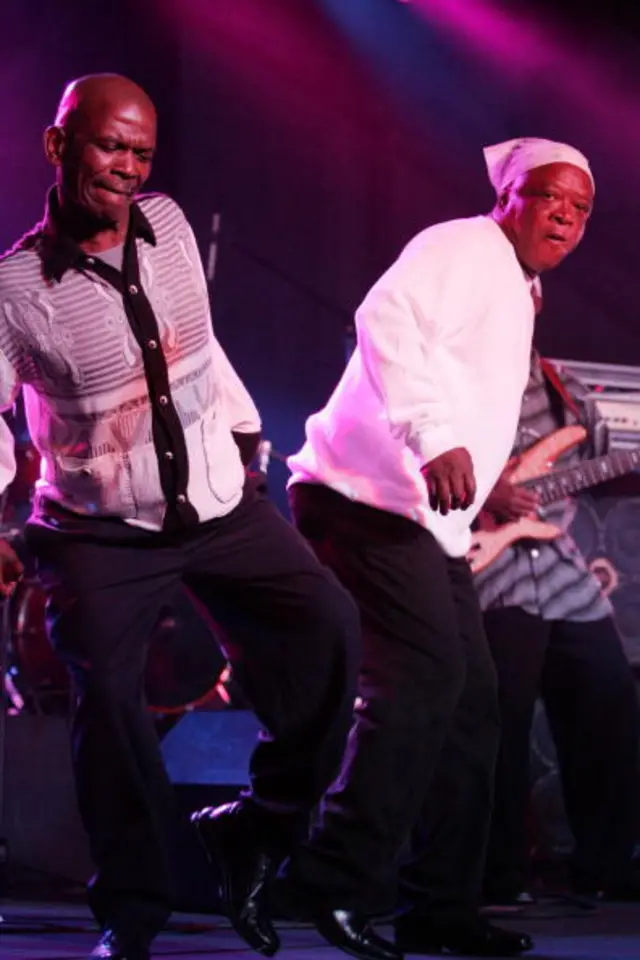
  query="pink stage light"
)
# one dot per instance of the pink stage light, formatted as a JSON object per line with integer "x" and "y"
{"x": 527, "y": 48}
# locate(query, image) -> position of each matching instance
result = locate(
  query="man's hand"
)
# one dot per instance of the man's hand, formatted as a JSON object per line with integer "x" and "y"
{"x": 11, "y": 569}
{"x": 508, "y": 501}
{"x": 450, "y": 480}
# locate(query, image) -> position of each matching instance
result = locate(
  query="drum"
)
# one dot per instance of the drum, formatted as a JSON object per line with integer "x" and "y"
{"x": 37, "y": 678}
{"x": 16, "y": 503}
{"x": 185, "y": 666}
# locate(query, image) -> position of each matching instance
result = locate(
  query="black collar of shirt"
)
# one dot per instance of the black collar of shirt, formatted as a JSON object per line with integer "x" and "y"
{"x": 59, "y": 252}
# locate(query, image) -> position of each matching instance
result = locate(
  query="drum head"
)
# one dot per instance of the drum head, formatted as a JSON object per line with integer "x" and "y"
{"x": 39, "y": 676}
{"x": 184, "y": 661}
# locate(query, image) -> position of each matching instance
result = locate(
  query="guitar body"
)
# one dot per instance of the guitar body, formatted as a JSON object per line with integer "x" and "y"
{"x": 491, "y": 538}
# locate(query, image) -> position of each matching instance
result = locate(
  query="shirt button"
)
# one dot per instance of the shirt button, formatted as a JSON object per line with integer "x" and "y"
{"x": 163, "y": 400}
{"x": 90, "y": 261}
{"x": 181, "y": 498}
{"x": 168, "y": 455}
{"x": 133, "y": 288}
{"x": 152, "y": 344}
{"x": 535, "y": 554}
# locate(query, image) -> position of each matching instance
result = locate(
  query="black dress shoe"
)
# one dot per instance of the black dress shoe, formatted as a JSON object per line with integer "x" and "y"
{"x": 468, "y": 937}
{"x": 229, "y": 838}
{"x": 348, "y": 931}
{"x": 109, "y": 947}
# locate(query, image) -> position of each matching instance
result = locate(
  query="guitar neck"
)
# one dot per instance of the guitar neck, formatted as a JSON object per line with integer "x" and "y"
{"x": 589, "y": 473}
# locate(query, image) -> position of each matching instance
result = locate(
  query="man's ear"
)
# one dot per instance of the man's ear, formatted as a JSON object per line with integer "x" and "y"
{"x": 55, "y": 139}
{"x": 503, "y": 199}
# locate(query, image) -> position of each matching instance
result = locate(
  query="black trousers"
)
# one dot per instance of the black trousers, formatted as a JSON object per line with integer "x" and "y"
{"x": 587, "y": 686}
{"x": 426, "y": 727}
{"x": 293, "y": 641}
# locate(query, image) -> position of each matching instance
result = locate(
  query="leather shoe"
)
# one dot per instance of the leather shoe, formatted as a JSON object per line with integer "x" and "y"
{"x": 349, "y": 931}
{"x": 109, "y": 947}
{"x": 228, "y": 836}
{"x": 469, "y": 937}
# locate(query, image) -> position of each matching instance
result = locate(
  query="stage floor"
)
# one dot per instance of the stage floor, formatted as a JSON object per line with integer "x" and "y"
{"x": 39, "y": 931}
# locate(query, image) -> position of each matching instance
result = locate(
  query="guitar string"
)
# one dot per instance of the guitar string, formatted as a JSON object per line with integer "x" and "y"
{"x": 558, "y": 484}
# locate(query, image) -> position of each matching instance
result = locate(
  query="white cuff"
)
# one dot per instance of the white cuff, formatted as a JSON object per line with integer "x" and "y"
{"x": 433, "y": 442}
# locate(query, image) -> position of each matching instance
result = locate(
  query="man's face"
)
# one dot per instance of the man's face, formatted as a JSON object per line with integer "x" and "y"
{"x": 544, "y": 214}
{"x": 105, "y": 158}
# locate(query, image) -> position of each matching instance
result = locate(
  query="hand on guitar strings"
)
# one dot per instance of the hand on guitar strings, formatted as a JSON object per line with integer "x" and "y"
{"x": 450, "y": 481}
{"x": 509, "y": 501}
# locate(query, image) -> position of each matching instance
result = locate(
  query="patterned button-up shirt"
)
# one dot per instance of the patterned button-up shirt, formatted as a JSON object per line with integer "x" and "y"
{"x": 550, "y": 579}
{"x": 129, "y": 397}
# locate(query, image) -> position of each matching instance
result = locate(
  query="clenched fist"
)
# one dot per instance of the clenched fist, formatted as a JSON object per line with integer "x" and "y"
{"x": 450, "y": 480}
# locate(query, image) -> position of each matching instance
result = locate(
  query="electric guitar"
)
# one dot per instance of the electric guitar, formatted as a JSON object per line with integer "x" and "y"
{"x": 534, "y": 470}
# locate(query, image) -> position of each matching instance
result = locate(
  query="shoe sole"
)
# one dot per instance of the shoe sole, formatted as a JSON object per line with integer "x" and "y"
{"x": 225, "y": 893}
{"x": 352, "y": 953}
{"x": 349, "y": 950}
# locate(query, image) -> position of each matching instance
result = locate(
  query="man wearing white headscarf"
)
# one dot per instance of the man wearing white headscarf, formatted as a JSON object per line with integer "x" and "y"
{"x": 394, "y": 469}
{"x": 507, "y": 161}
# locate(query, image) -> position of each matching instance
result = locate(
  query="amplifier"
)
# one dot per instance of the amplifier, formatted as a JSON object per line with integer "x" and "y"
{"x": 616, "y": 391}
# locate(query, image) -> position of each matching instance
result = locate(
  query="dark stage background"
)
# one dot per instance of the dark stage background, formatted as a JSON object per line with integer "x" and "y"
{"x": 324, "y": 133}
{"x": 308, "y": 140}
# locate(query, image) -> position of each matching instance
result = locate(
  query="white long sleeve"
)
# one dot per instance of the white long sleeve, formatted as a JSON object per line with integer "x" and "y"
{"x": 399, "y": 345}
{"x": 9, "y": 389}
{"x": 241, "y": 410}
{"x": 442, "y": 360}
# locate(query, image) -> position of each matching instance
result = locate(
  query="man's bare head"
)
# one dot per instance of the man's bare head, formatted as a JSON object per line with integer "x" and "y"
{"x": 102, "y": 143}
{"x": 87, "y": 95}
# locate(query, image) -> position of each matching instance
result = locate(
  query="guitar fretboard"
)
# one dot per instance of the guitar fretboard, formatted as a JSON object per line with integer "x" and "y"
{"x": 562, "y": 483}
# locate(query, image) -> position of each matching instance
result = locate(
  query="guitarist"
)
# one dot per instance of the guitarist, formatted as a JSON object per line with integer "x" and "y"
{"x": 551, "y": 632}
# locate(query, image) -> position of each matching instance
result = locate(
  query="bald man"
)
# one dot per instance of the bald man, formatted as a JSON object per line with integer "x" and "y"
{"x": 87, "y": 121}
{"x": 145, "y": 430}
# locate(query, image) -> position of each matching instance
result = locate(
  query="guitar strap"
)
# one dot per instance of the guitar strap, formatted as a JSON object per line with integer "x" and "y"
{"x": 559, "y": 389}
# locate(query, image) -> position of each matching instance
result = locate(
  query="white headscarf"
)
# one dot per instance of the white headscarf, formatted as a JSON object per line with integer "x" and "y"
{"x": 507, "y": 161}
